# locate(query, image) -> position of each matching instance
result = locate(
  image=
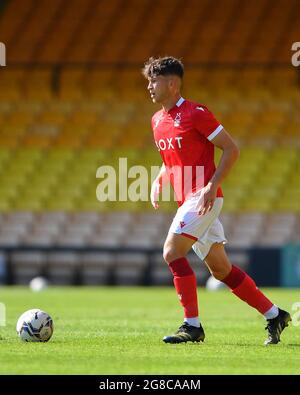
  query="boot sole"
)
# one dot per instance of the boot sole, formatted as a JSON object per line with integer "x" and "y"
{"x": 200, "y": 339}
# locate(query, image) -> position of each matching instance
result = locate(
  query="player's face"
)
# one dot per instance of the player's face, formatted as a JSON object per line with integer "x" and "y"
{"x": 159, "y": 88}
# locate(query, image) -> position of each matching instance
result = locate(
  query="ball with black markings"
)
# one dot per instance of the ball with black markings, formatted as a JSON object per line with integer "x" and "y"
{"x": 35, "y": 325}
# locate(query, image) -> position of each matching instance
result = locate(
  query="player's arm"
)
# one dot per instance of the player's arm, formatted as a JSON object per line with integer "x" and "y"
{"x": 229, "y": 156}
{"x": 161, "y": 179}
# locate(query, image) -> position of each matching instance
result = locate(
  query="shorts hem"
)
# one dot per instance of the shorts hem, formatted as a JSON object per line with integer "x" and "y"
{"x": 189, "y": 236}
{"x": 203, "y": 254}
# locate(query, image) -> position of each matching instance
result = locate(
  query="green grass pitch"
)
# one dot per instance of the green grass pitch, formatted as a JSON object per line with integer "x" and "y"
{"x": 119, "y": 330}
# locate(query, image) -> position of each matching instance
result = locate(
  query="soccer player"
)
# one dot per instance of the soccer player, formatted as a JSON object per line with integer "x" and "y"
{"x": 185, "y": 134}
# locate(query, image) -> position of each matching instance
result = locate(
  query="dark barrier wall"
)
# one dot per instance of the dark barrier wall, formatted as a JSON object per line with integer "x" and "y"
{"x": 269, "y": 267}
{"x": 290, "y": 266}
{"x": 265, "y": 266}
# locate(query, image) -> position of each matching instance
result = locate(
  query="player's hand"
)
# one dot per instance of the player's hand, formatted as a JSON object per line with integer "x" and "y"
{"x": 208, "y": 196}
{"x": 155, "y": 191}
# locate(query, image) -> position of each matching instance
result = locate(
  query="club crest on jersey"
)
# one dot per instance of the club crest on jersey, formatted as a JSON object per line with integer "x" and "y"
{"x": 177, "y": 119}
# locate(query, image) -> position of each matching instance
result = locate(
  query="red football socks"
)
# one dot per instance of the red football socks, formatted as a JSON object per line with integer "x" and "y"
{"x": 186, "y": 286}
{"x": 245, "y": 288}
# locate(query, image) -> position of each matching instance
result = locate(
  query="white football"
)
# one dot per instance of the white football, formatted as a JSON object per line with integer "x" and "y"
{"x": 35, "y": 325}
{"x": 38, "y": 284}
{"x": 212, "y": 284}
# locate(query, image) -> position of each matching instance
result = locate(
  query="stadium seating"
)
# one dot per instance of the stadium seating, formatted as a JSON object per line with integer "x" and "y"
{"x": 62, "y": 142}
{"x": 233, "y": 41}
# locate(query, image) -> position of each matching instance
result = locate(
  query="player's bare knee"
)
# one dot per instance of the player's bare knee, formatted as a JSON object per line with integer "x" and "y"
{"x": 170, "y": 254}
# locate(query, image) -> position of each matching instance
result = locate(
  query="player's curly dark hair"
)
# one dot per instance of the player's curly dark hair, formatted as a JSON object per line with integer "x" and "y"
{"x": 167, "y": 65}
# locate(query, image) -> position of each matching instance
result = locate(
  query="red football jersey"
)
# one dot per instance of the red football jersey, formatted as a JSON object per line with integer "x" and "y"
{"x": 182, "y": 136}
